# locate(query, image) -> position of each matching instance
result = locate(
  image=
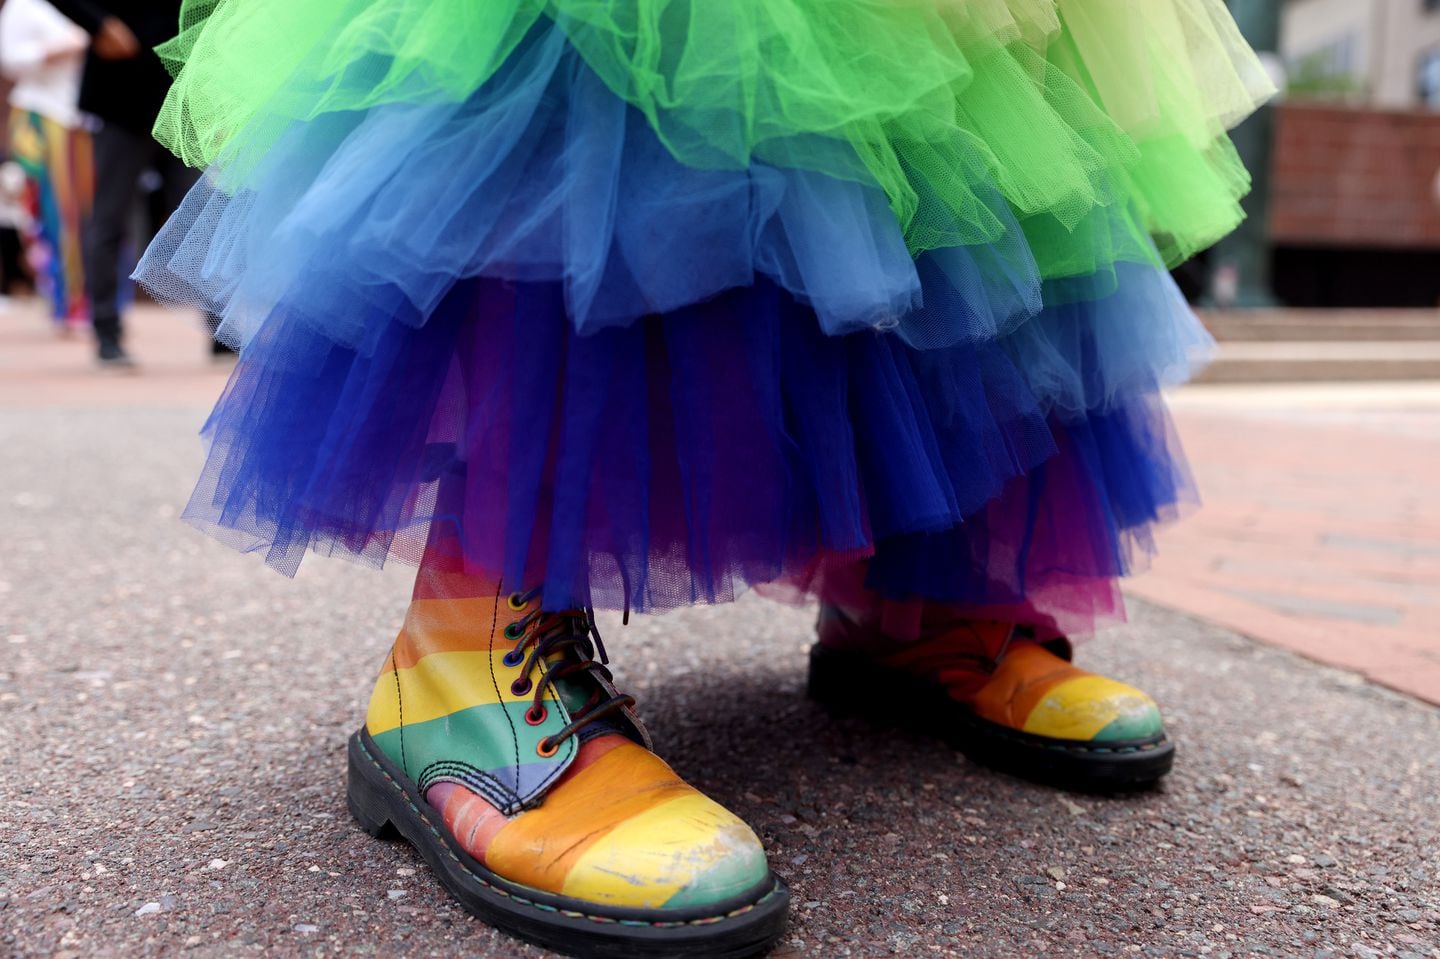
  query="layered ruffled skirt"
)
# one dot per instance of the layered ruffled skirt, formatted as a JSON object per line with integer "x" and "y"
{"x": 649, "y": 300}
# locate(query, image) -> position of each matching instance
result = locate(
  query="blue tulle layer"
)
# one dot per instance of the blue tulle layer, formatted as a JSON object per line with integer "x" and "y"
{"x": 676, "y": 460}
{"x": 544, "y": 175}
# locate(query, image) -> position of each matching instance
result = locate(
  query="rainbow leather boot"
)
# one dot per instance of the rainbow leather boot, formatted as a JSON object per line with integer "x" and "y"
{"x": 497, "y": 744}
{"x": 998, "y": 695}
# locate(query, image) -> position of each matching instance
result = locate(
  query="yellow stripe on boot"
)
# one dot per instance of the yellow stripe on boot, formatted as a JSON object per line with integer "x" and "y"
{"x": 1086, "y": 706}
{"x": 428, "y": 689}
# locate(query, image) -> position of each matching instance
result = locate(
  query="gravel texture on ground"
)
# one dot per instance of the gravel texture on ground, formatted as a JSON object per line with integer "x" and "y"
{"x": 174, "y": 719}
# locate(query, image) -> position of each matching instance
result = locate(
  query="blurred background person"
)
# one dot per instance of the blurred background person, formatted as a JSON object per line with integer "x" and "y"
{"x": 123, "y": 87}
{"x": 14, "y": 220}
{"x": 43, "y": 54}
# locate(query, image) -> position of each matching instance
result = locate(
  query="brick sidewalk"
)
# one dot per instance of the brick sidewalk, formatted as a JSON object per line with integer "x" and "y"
{"x": 1320, "y": 532}
{"x": 1321, "y": 526}
{"x": 41, "y": 368}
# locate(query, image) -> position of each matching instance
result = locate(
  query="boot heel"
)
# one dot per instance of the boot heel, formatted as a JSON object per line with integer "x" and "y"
{"x": 366, "y": 804}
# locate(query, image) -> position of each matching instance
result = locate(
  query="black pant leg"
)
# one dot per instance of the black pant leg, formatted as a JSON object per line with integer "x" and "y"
{"x": 176, "y": 178}
{"x": 120, "y": 158}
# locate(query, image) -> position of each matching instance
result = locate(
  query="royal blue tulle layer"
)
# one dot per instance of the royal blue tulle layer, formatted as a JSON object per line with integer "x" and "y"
{"x": 544, "y": 175}
{"x": 679, "y": 459}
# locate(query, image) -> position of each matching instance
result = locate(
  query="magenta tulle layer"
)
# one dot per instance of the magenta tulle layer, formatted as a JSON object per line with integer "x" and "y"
{"x": 687, "y": 456}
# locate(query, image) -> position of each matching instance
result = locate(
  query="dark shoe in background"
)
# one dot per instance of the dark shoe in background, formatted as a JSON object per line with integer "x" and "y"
{"x": 109, "y": 353}
{"x": 112, "y": 356}
{"x": 221, "y": 352}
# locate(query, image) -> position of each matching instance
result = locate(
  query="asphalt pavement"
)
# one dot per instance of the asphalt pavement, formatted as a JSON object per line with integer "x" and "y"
{"x": 172, "y": 760}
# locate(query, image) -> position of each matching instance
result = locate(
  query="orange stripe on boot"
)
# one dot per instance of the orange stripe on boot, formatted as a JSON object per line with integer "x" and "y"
{"x": 448, "y": 626}
{"x": 474, "y": 822}
{"x": 539, "y": 847}
{"x": 1023, "y": 678}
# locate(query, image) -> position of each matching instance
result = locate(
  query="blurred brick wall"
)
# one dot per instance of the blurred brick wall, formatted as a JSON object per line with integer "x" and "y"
{"x": 1355, "y": 177}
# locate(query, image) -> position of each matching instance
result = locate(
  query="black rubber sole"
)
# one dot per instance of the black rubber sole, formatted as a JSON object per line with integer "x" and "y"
{"x": 852, "y": 685}
{"x": 385, "y": 803}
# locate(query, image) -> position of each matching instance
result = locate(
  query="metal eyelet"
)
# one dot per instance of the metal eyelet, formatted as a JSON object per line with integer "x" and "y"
{"x": 521, "y": 686}
{"x": 534, "y": 717}
{"x": 513, "y": 658}
{"x": 515, "y": 604}
{"x": 513, "y": 632}
{"x": 543, "y": 752}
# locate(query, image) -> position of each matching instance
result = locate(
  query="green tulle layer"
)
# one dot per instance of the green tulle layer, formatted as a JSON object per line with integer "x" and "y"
{"x": 1101, "y": 122}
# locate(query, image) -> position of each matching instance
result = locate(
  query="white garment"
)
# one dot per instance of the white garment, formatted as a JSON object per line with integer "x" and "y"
{"x": 13, "y": 212}
{"x": 44, "y": 53}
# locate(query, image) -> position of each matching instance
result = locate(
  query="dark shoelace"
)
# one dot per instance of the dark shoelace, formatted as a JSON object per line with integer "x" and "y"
{"x": 574, "y": 635}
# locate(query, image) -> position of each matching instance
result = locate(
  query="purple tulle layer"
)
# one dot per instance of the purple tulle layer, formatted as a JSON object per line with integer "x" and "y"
{"x": 682, "y": 458}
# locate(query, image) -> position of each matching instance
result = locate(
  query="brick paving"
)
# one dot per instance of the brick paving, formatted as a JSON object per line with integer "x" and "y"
{"x": 1320, "y": 532}
{"x": 39, "y": 367}
{"x": 1321, "y": 526}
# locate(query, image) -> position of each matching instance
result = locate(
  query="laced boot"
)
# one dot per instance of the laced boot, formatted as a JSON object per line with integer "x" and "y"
{"x": 999, "y": 695}
{"x": 497, "y": 744}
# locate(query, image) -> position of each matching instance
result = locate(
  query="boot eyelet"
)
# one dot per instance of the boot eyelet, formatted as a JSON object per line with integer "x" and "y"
{"x": 536, "y": 717}
{"x": 545, "y": 749}
{"x": 513, "y": 632}
{"x": 515, "y": 604}
{"x": 521, "y": 686}
{"x": 513, "y": 658}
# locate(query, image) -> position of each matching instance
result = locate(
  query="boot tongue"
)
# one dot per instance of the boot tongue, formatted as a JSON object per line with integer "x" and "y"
{"x": 573, "y": 691}
{"x": 577, "y": 689}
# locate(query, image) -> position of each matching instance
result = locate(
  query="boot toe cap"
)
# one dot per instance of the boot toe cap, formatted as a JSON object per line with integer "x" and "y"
{"x": 1095, "y": 709}
{"x": 685, "y": 854}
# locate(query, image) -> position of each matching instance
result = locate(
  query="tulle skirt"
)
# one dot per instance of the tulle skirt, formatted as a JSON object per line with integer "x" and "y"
{"x": 649, "y": 301}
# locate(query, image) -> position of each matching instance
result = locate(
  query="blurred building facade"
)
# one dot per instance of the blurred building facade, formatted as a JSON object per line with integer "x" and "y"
{"x": 1354, "y": 204}
{"x": 1383, "y": 53}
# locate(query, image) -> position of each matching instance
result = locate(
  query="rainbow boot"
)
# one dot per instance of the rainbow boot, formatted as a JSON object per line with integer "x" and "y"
{"x": 997, "y": 694}
{"x": 497, "y": 744}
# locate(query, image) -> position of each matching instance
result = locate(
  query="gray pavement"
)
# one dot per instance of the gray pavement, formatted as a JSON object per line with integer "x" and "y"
{"x": 173, "y": 718}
